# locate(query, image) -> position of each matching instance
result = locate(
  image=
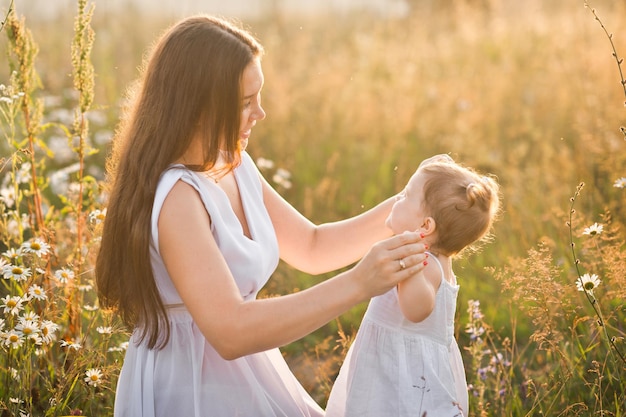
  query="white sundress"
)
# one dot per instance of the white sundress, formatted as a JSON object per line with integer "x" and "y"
{"x": 397, "y": 368}
{"x": 188, "y": 378}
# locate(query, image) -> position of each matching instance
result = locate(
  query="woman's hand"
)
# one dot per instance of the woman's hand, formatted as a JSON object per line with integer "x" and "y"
{"x": 389, "y": 262}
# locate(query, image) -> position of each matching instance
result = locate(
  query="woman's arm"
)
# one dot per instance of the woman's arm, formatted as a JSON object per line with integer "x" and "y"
{"x": 236, "y": 327}
{"x": 316, "y": 249}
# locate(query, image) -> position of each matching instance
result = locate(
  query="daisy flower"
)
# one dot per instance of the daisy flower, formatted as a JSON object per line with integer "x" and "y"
{"x": 13, "y": 339}
{"x": 64, "y": 275}
{"x": 588, "y": 283}
{"x": 48, "y": 328}
{"x": 30, "y": 330}
{"x": 36, "y": 246}
{"x": 620, "y": 183}
{"x": 71, "y": 345}
{"x": 12, "y": 305}
{"x": 30, "y": 315}
{"x": 16, "y": 273}
{"x": 264, "y": 163}
{"x": 104, "y": 330}
{"x": 594, "y": 229}
{"x": 93, "y": 377}
{"x": 12, "y": 254}
{"x": 97, "y": 216}
{"x": 36, "y": 292}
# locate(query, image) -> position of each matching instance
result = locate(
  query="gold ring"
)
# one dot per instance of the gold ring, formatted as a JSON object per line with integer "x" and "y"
{"x": 402, "y": 264}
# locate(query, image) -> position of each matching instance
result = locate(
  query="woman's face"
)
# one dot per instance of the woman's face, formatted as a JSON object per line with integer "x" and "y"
{"x": 407, "y": 213}
{"x": 252, "y": 83}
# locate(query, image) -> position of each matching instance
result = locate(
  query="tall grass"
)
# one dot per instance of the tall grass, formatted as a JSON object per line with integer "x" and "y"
{"x": 529, "y": 91}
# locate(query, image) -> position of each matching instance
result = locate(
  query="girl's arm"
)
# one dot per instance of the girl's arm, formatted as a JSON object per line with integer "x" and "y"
{"x": 416, "y": 295}
{"x": 316, "y": 249}
{"x": 235, "y": 327}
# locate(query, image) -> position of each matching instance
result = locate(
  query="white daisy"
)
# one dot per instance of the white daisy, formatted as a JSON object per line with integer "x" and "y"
{"x": 64, "y": 275}
{"x": 93, "y": 377}
{"x": 16, "y": 272}
{"x": 264, "y": 163}
{"x": 620, "y": 183}
{"x": 12, "y": 305}
{"x": 36, "y": 292}
{"x": 588, "y": 283}
{"x": 48, "y": 328}
{"x": 71, "y": 345}
{"x": 594, "y": 229}
{"x": 104, "y": 330}
{"x": 12, "y": 254}
{"x": 30, "y": 330}
{"x": 36, "y": 246}
{"x": 13, "y": 339}
{"x": 97, "y": 216}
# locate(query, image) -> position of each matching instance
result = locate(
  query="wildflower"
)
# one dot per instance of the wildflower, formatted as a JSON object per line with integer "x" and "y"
{"x": 36, "y": 292}
{"x": 263, "y": 163}
{"x": 16, "y": 273}
{"x": 36, "y": 246}
{"x": 30, "y": 315}
{"x": 64, "y": 275}
{"x": 85, "y": 287}
{"x": 594, "y": 229}
{"x": 15, "y": 400}
{"x": 475, "y": 332}
{"x": 104, "y": 330}
{"x": 13, "y": 339}
{"x": 97, "y": 216}
{"x": 12, "y": 305}
{"x": 23, "y": 174}
{"x": 620, "y": 183}
{"x": 93, "y": 377}
{"x": 282, "y": 177}
{"x": 8, "y": 196}
{"x": 48, "y": 328}
{"x": 30, "y": 330}
{"x": 90, "y": 307}
{"x": 1, "y": 325}
{"x": 588, "y": 283}
{"x": 71, "y": 345}
{"x": 12, "y": 254}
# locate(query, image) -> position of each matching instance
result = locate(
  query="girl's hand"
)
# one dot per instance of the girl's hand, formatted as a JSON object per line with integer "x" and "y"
{"x": 389, "y": 262}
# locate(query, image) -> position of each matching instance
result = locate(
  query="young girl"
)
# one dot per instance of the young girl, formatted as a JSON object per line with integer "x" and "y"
{"x": 405, "y": 360}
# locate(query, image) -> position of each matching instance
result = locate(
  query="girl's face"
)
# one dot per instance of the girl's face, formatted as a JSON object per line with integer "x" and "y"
{"x": 407, "y": 213}
{"x": 252, "y": 83}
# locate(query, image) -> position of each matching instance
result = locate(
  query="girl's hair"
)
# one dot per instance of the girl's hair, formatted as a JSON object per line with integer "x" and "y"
{"x": 191, "y": 86}
{"x": 463, "y": 204}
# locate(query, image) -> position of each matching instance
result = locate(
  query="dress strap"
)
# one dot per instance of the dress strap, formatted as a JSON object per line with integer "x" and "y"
{"x": 431, "y": 256}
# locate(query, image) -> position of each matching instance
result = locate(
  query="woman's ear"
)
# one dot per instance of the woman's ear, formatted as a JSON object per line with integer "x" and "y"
{"x": 428, "y": 226}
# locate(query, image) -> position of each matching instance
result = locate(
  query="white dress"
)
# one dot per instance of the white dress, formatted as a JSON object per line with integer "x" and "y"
{"x": 188, "y": 378}
{"x": 397, "y": 368}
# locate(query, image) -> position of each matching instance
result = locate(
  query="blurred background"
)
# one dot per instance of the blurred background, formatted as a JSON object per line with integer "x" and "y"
{"x": 357, "y": 93}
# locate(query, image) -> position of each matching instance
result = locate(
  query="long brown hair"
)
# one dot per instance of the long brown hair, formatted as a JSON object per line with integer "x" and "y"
{"x": 191, "y": 85}
{"x": 463, "y": 204}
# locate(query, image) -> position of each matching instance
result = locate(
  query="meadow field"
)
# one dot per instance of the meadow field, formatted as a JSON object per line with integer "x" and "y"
{"x": 531, "y": 91}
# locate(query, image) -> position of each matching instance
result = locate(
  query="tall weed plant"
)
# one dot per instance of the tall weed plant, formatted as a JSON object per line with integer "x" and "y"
{"x": 524, "y": 90}
{"x": 59, "y": 353}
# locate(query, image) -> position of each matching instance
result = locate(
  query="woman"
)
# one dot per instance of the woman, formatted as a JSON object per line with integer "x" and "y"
{"x": 193, "y": 232}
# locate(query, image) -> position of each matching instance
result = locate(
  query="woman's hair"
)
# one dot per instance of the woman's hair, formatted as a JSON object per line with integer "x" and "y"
{"x": 463, "y": 204}
{"x": 190, "y": 87}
